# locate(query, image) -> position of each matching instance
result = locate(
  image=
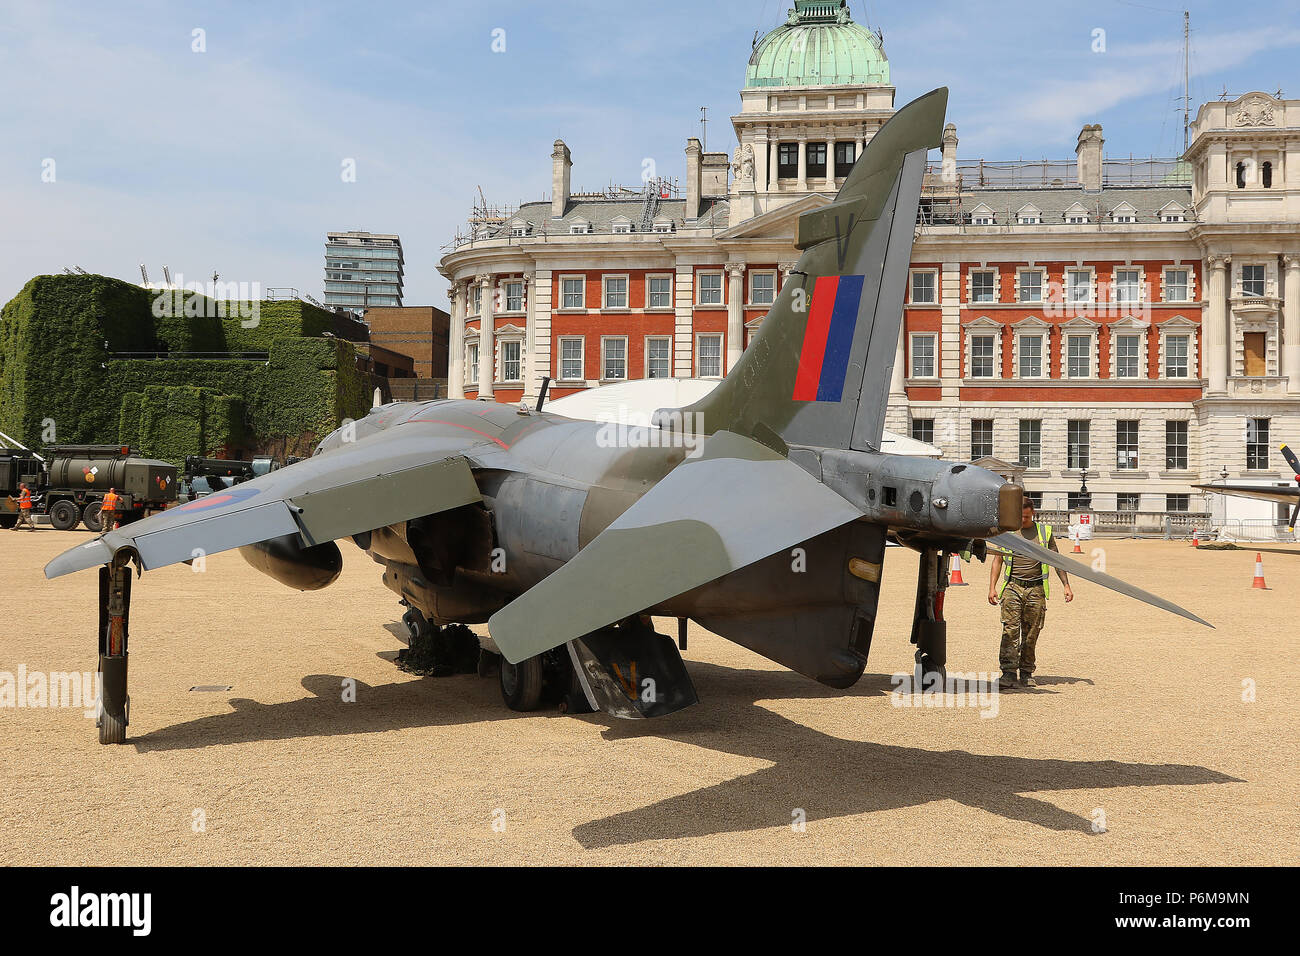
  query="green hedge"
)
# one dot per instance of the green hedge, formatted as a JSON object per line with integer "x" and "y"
{"x": 57, "y": 334}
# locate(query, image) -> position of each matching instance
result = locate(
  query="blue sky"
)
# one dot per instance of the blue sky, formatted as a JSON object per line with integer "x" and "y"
{"x": 230, "y": 159}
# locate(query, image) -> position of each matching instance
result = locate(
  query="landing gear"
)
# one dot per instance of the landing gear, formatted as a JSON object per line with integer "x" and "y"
{"x": 114, "y": 625}
{"x": 417, "y": 627}
{"x": 522, "y": 683}
{"x": 929, "y": 629}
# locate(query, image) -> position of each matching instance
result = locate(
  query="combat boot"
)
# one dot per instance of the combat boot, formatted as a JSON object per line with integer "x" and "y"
{"x": 1027, "y": 679}
{"x": 1007, "y": 680}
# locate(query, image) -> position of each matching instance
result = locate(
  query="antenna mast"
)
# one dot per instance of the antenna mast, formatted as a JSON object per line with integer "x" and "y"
{"x": 1187, "y": 90}
{"x": 704, "y": 129}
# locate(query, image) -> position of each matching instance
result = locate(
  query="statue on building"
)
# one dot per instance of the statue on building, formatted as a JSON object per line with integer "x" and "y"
{"x": 742, "y": 163}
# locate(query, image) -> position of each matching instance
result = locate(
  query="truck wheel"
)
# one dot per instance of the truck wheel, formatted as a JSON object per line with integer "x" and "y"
{"x": 521, "y": 684}
{"x": 64, "y": 515}
{"x": 90, "y": 517}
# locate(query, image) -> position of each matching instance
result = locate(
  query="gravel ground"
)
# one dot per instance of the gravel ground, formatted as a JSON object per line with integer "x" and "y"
{"x": 1139, "y": 723}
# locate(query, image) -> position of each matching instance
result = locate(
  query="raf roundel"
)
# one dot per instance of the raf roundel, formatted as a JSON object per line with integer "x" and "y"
{"x": 219, "y": 500}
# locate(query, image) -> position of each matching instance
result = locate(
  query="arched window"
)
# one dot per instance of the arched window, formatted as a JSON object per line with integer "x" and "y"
{"x": 1241, "y": 175}
{"x": 1268, "y": 175}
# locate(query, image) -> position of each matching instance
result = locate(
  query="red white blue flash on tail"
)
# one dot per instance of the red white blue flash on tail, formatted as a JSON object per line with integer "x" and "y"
{"x": 828, "y": 339}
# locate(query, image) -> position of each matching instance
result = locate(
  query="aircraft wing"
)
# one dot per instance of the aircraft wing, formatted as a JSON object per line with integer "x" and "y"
{"x": 1016, "y": 543}
{"x": 708, "y": 517}
{"x": 375, "y": 481}
{"x": 1285, "y": 496}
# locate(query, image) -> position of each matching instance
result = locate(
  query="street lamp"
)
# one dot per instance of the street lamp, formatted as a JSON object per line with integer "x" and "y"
{"x": 1085, "y": 497}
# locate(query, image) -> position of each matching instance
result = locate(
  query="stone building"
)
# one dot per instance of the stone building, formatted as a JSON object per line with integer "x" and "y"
{"x": 1134, "y": 322}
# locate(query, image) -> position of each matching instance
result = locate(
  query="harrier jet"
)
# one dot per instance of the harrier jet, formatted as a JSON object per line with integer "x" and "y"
{"x": 761, "y": 511}
{"x": 1279, "y": 494}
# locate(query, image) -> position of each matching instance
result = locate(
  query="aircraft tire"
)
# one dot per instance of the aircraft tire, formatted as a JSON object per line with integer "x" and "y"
{"x": 522, "y": 683}
{"x": 111, "y": 730}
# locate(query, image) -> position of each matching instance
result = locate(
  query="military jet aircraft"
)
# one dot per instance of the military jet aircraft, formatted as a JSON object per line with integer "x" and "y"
{"x": 1280, "y": 495}
{"x": 761, "y": 511}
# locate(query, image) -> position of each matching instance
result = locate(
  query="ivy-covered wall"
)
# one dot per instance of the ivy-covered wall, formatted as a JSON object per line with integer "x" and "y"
{"x": 58, "y": 337}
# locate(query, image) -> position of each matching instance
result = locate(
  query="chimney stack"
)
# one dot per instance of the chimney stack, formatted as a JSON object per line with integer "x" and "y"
{"x": 561, "y": 163}
{"x": 949, "y": 153}
{"x": 1090, "y": 155}
{"x": 693, "y": 179}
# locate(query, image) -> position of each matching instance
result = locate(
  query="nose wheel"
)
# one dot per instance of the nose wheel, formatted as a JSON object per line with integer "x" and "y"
{"x": 114, "y": 624}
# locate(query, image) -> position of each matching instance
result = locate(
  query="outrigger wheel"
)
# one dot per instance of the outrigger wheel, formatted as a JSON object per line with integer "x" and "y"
{"x": 114, "y": 626}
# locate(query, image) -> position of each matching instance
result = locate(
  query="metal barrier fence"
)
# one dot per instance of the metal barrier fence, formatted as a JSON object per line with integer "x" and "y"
{"x": 1253, "y": 529}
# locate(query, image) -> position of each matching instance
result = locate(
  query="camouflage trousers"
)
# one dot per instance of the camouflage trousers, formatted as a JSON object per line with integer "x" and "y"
{"x": 1024, "y": 609}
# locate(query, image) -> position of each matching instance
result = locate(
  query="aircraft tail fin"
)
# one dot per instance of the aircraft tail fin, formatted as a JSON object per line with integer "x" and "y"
{"x": 818, "y": 370}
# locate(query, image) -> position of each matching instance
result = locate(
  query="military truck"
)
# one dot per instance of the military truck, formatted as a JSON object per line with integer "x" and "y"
{"x": 77, "y": 477}
{"x": 16, "y": 468}
{"x": 203, "y": 476}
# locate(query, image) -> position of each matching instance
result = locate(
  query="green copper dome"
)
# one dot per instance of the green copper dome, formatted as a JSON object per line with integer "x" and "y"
{"x": 819, "y": 45}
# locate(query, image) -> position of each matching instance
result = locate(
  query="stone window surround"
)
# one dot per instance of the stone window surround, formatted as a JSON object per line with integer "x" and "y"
{"x": 1180, "y": 325}
{"x": 938, "y": 295}
{"x": 749, "y": 288}
{"x": 582, "y": 358}
{"x": 1091, "y": 297}
{"x": 970, "y": 284}
{"x": 1129, "y": 325}
{"x": 911, "y": 355}
{"x": 722, "y": 353}
{"x": 646, "y": 345}
{"x": 627, "y": 359}
{"x": 1042, "y": 285}
{"x": 722, "y": 288}
{"x": 1076, "y": 327}
{"x": 1032, "y": 327}
{"x": 1178, "y": 266}
{"x": 1143, "y": 295}
{"x": 507, "y": 333}
{"x": 983, "y": 326}
{"x": 671, "y": 292}
{"x": 471, "y": 344}
{"x": 558, "y": 300}
{"x": 604, "y": 292}
{"x": 503, "y": 285}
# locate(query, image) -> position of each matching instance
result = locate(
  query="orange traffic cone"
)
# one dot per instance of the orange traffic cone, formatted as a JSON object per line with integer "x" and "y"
{"x": 1196, "y": 540}
{"x": 1259, "y": 573}
{"x": 955, "y": 581}
{"x": 1076, "y": 549}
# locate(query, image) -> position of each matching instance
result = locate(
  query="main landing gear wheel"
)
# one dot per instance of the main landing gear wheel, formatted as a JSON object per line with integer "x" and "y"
{"x": 522, "y": 683}
{"x": 417, "y": 626}
{"x": 926, "y": 672}
{"x": 64, "y": 515}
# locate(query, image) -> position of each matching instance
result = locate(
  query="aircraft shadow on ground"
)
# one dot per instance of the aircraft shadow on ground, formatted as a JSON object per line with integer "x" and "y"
{"x": 825, "y": 776}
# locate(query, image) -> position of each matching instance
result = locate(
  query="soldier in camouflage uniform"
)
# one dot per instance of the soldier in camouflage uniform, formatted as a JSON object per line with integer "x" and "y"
{"x": 1020, "y": 584}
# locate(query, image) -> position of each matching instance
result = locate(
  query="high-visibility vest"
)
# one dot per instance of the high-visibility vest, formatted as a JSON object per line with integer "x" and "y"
{"x": 1044, "y": 538}
{"x": 25, "y": 500}
{"x": 110, "y": 502}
